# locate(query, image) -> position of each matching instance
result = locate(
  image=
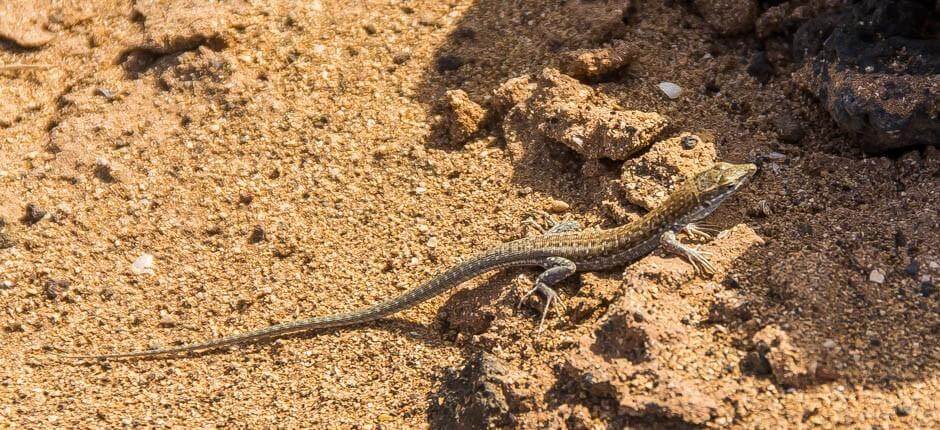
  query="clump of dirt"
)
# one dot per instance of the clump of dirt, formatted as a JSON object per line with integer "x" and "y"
{"x": 598, "y": 63}
{"x": 462, "y": 116}
{"x": 561, "y": 109}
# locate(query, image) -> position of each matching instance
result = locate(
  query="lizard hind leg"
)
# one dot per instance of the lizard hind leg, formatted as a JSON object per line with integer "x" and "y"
{"x": 564, "y": 227}
{"x": 556, "y": 270}
{"x": 554, "y": 226}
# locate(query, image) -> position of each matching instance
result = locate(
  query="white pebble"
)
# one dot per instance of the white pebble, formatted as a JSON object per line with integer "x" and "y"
{"x": 877, "y": 276}
{"x": 670, "y": 89}
{"x": 830, "y": 344}
{"x": 143, "y": 265}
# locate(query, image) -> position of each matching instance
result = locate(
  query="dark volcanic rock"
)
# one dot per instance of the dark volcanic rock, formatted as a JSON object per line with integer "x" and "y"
{"x": 874, "y": 66}
{"x": 486, "y": 393}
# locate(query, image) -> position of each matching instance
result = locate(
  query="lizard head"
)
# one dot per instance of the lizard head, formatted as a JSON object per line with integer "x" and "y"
{"x": 716, "y": 183}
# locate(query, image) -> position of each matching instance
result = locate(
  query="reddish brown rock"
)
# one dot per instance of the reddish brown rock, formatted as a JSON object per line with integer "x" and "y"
{"x": 621, "y": 360}
{"x": 595, "y": 294}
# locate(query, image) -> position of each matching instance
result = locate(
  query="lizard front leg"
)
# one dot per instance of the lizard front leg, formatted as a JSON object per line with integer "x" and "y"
{"x": 556, "y": 270}
{"x": 697, "y": 258}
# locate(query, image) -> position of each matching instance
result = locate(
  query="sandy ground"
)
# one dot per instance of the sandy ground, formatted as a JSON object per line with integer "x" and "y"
{"x": 281, "y": 160}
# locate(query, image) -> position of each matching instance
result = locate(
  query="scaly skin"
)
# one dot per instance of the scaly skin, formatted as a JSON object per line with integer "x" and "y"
{"x": 561, "y": 253}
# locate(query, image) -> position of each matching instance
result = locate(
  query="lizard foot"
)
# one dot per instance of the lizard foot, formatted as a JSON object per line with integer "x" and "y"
{"x": 556, "y": 269}
{"x": 551, "y": 297}
{"x": 697, "y": 258}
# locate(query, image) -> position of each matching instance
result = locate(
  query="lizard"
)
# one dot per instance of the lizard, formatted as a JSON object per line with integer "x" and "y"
{"x": 561, "y": 251}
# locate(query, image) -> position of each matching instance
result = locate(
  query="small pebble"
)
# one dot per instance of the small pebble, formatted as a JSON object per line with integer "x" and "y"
{"x": 789, "y": 129}
{"x": 54, "y": 289}
{"x": 557, "y": 206}
{"x": 402, "y": 57}
{"x": 762, "y": 209}
{"x": 690, "y": 141}
{"x": 257, "y": 234}
{"x": 670, "y": 89}
{"x": 877, "y": 276}
{"x": 420, "y": 190}
{"x": 927, "y": 289}
{"x": 103, "y": 169}
{"x": 760, "y": 68}
{"x": 370, "y": 29}
{"x": 912, "y": 268}
{"x": 6, "y": 285}
{"x": 143, "y": 265}
{"x": 166, "y": 320}
{"x": 830, "y": 344}
{"x": 33, "y": 214}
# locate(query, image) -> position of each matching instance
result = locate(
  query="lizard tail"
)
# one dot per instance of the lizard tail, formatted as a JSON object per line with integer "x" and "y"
{"x": 497, "y": 258}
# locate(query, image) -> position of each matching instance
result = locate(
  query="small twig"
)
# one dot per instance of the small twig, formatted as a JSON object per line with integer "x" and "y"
{"x": 18, "y": 67}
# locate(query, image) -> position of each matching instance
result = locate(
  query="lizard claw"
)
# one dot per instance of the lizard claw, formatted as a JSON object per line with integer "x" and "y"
{"x": 698, "y": 261}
